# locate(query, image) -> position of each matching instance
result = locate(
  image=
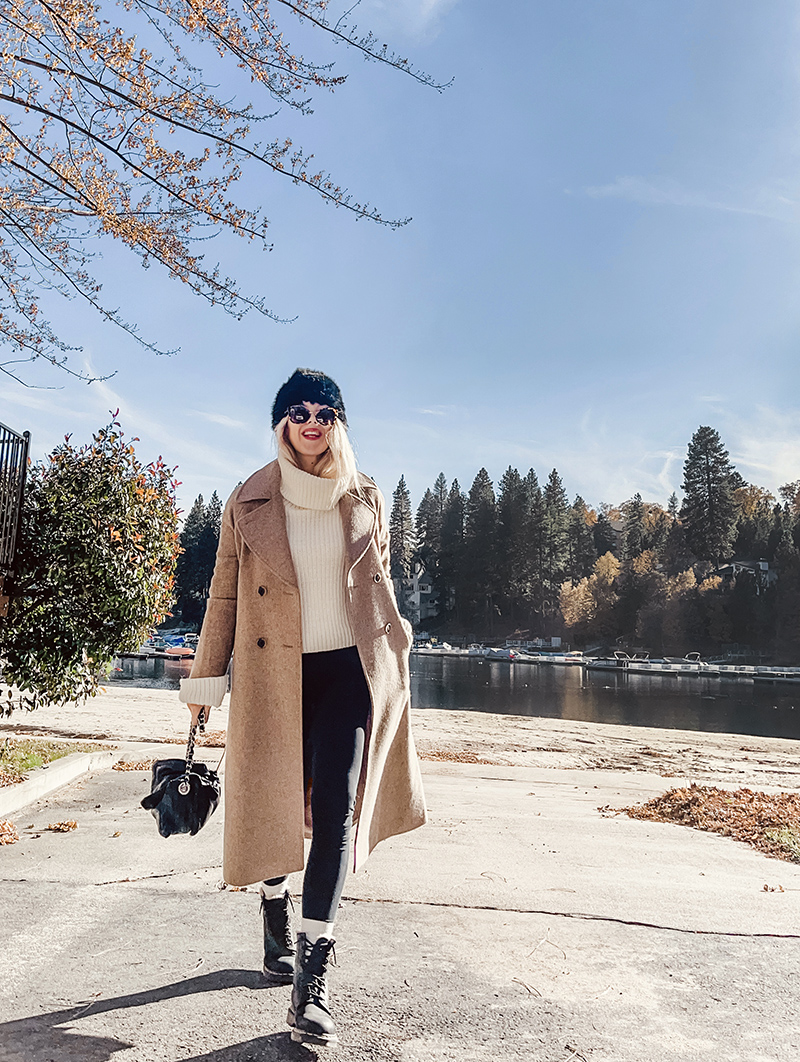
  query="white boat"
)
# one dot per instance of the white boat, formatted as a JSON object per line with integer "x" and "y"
{"x": 500, "y": 654}
{"x": 609, "y": 663}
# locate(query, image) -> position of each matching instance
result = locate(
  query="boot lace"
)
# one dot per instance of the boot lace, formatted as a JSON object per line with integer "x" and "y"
{"x": 315, "y": 978}
{"x": 279, "y": 921}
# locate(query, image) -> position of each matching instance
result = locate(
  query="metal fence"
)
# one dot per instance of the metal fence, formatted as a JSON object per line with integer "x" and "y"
{"x": 13, "y": 466}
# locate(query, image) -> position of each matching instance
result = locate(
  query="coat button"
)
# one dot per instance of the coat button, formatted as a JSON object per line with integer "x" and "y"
{"x": 261, "y": 643}
{"x": 261, "y": 591}
{"x": 388, "y": 627}
{"x": 377, "y": 577}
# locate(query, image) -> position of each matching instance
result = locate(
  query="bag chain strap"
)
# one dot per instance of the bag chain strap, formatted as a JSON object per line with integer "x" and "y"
{"x": 185, "y": 785}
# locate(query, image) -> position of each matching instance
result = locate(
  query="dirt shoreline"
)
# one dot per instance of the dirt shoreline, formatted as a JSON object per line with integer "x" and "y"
{"x": 716, "y": 759}
{"x": 152, "y": 715}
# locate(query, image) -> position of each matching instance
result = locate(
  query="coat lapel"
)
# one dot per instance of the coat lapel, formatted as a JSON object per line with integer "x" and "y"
{"x": 263, "y": 526}
{"x": 358, "y": 520}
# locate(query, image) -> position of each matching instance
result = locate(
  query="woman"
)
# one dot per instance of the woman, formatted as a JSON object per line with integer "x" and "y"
{"x": 318, "y": 735}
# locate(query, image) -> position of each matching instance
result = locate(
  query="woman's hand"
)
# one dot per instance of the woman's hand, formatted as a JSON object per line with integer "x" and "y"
{"x": 196, "y": 710}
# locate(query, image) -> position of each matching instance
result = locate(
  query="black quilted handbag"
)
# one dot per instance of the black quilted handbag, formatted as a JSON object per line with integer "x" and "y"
{"x": 183, "y": 794}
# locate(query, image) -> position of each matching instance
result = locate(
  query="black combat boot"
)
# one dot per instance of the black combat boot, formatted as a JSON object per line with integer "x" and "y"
{"x": 278, "y": 939}
{"x": 309, "y": 1016}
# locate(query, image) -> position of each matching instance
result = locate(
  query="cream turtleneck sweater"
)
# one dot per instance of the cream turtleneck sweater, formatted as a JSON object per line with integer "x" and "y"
{"x": 316, "y": 539}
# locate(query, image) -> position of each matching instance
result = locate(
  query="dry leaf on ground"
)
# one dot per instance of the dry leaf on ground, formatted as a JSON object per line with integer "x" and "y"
{"x": 132, "y": 765}
{"x": 63, "y": 827}
{"x": 769, "y": 822}
{"x": 214, "y": 739}
{"x": 458, "y": 756}
{"x": 8, "y": 832}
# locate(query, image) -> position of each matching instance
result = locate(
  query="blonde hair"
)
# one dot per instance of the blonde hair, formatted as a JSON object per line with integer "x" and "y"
{"x": 338, "y": 461}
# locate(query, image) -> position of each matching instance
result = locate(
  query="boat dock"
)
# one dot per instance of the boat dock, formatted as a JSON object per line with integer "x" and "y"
{"x": 690, "y": 666}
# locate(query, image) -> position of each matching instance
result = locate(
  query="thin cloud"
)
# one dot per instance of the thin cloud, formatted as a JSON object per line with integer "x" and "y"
{"x": 43, "y": 401}
{"x": 416, "y": 18}
{"x": 218, "y": 418}
{"x": 436, "y": 411}
{"x": 668, "y": 193}
{"x": 766, "y": 446}
{"x": 176, "y": 445}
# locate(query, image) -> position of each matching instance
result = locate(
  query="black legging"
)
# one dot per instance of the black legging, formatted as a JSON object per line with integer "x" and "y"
{"x": 336, "y": 707}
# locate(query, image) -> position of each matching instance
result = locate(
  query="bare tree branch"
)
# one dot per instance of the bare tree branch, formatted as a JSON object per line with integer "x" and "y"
{"x": 100, "y": 138}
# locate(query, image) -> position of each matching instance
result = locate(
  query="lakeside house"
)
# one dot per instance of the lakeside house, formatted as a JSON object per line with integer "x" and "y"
{"x": 416, "y": 596}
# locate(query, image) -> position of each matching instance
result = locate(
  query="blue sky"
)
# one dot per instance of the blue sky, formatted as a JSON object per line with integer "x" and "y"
{"x": 604, "y": 254}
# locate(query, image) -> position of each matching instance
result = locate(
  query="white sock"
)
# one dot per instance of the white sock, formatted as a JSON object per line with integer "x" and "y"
{"x": 269, "y": 892}
{"x": 314, "y": 929}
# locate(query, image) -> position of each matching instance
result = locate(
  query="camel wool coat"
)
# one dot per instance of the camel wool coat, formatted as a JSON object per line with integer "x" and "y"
{"x": 254, "y": 613}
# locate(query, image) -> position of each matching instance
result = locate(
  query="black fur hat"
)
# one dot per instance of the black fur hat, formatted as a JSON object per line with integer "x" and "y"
{"x": 307, "y": 385}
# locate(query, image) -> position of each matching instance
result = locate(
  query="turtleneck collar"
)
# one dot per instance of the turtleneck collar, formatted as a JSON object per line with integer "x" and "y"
{"x": 307, "y": 491}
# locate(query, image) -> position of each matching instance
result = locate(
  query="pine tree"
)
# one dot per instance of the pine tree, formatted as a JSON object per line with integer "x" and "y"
{"x": 206, "y": 548}
{"x": 402, "y": 550}
{"x": 708, "y": 513}
{"x": 451, "y": 556}
{"x": 635, "y": 533}
{"x": 787, "y": 599}
{"x": 555, "y": 540}
{"x": 429, "y": 518}
{"x": 480, "y": 548}
{"x": 189, "y": 573}
{"x": 214, "y": 515}
{"x": 582, "y": 552}
{"x": 672, "y": 506}
{"x": 401, "y": 532}
{"x": 605, "y": 538}
{"x": 511, "y": 542}
{"x": 756, "y": 521}
{"x": 440, "y": 495}
{"x": 428, "y": 531}
{"x": 533, "y": 563}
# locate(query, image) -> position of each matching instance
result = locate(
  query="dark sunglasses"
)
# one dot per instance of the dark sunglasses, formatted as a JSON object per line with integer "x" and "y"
{"x": 300, "y": 415}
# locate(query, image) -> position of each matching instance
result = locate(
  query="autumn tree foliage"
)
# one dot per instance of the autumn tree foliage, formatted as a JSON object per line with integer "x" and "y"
{"x": 589, "y": 605}
{"x": 94, "y": 567}
{"x": 109, "y": 127}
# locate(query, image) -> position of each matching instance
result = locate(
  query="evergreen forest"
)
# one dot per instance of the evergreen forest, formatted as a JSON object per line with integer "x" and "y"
{"x": 199, "y": 540}
{"x": 717, "y": 572}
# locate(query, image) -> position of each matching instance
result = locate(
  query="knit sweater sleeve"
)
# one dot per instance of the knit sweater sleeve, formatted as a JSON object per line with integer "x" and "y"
{"x": 210, "y": 691}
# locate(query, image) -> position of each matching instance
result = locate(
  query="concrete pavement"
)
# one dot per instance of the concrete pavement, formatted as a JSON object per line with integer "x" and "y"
{"x": 519, "y": 924}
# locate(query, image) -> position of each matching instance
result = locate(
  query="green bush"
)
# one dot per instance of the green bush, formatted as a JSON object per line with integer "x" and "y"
{"x": 94, "y": 567}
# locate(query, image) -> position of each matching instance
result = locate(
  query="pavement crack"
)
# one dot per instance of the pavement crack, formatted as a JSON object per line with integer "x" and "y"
{"x": 578, "y": 916}
{"x": 153, "y": 877}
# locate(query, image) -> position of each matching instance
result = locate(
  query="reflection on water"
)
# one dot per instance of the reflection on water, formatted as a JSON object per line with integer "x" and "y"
{"x": 670, "y": 701}
{"x": 471, "y": 683}
{"x": 159, "y": 673}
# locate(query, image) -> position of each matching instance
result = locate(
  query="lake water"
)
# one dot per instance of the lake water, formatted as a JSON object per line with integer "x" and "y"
{"x": 682, "y": 703}
{"x": 473, "y": 684}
